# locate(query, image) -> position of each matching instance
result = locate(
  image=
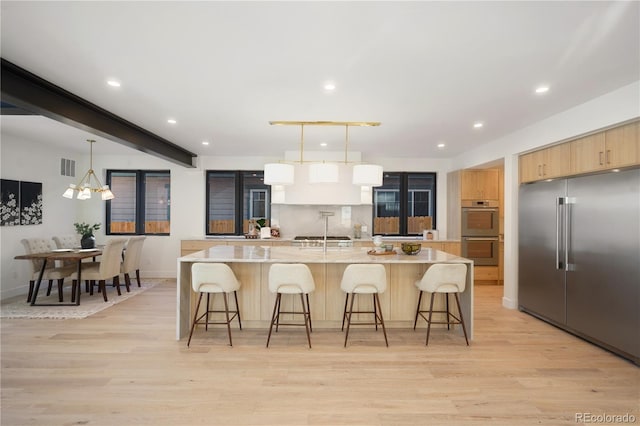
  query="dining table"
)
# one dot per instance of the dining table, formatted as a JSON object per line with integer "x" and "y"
{"x": 65, "y": 255}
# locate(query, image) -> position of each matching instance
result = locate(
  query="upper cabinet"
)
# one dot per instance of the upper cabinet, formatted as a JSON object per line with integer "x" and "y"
{"x": 610, "y": 149}
{"x": 617, "y": 147}
{"x": 546, "y": 163}
{"x": 479, "y": 184}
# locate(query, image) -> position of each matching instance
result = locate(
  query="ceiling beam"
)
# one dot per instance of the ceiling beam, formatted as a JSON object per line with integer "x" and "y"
{"x": 32, "y": 93}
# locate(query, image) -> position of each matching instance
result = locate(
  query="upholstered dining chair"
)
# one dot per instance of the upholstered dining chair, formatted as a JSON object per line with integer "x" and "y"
{"x": 42, "y": 245}
{"x": 68, "y": 241}
{"x": 132, "y": 257}
{"x": 108, "y": 268}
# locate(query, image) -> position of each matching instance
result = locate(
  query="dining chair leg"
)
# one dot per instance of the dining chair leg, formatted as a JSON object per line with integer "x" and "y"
{"x": 49, "y": 288}
{"x": 74, "y": 283}
{"x": 60, "y": 296}
{"x": 138, "y": 276}
{"x": 32, "y": 283}
{"x": 103, "y": 286}
{"x": 116, "y": 283}
{"x": 127, "y": 281}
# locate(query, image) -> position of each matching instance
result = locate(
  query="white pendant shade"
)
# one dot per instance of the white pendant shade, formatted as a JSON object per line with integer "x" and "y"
{"x": 69, "y": 192}
{"x": 323, "y": 173}
{"x": 107, "y": 194}
{"x": 278, "y": 174}
{"x": 367, "y": 175}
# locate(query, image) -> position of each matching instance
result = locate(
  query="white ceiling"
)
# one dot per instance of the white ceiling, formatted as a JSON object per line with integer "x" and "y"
{"x": 223, "y": 70}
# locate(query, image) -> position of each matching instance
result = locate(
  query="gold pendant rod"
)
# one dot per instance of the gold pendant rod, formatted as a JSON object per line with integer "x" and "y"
{"x": 325, "y": 123}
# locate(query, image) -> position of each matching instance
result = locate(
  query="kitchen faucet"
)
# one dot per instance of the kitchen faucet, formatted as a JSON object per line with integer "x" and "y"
{"x": 325, "y": 215}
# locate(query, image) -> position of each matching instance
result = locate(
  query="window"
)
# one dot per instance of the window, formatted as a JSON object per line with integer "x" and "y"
{"x": 233, "y": 199}
{"x": 404, "y": 204}
{"x": 142, "y": 204}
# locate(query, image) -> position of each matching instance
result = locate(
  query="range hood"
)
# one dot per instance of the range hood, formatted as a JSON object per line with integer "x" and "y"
{"x": 304, "y": 193}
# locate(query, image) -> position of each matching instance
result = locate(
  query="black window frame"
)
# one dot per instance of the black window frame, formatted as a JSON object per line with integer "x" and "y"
{"x": 239, "y": 199}
{"x": 404, "y": 198}
{"x": 140, "y": 201}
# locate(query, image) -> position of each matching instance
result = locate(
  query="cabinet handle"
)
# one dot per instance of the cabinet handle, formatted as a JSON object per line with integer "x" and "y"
{"x": 544, "y": 170}
{"x": 607, "y": 157}
{"x": 600, "y": 158}
{"x": 539, "y": 169}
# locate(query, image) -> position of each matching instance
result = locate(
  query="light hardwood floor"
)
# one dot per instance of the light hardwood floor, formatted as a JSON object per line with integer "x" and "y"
{"x": 123, "y": 367}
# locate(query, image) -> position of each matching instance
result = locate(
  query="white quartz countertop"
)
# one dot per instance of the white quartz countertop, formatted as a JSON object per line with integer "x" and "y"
{"x": 269, "y": 254}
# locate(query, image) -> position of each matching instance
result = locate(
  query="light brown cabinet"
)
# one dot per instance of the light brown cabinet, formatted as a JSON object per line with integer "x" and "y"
{"x": 617, "y": 147}
{"x": 479, "y": 184}
{"x": 546, "y": 163}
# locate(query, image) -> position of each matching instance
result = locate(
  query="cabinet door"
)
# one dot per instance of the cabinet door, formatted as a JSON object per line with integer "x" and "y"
{"x": 622, "y": 146}
{"x": 557, "y": 161}
{"x": 531, "y": 166}
{"x": 588, "y": 153}
{"x": 479, "y": 185}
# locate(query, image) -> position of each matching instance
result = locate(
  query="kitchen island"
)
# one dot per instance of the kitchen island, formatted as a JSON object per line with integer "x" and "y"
{"x": 251, "y": 265}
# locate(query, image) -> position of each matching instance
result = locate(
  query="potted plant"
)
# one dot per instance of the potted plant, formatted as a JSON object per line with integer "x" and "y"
{"x": 86, "y": 230}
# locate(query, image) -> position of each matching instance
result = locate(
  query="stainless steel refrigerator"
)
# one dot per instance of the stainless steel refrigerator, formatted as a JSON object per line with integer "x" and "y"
{"x": 579, "y": 257}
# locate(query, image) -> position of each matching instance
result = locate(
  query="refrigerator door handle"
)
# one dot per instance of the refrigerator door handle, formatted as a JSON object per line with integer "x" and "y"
{"x": 567, "y": 232}
{"x": 559, "y": 204}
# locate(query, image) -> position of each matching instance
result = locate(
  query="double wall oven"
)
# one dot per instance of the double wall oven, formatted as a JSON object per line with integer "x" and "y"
{"x": 480, "y": 231}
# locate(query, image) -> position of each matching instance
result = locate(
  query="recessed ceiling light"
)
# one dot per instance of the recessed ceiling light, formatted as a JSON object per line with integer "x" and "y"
{"x": 205, "y": 142}
{"x": 478, "y": 124}
{"x": 542, "y": 89}
{"x": 330, "y": 87}
{"x": 441, "y": 145}
{"x": 323, "y": 144}
{"x": 171, "y": 121}
{"x": 113, "y": 83}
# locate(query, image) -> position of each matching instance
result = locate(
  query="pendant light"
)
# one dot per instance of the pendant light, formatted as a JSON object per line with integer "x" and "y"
{"x": 365, "y": 175}
{"x": 85, "y": 187}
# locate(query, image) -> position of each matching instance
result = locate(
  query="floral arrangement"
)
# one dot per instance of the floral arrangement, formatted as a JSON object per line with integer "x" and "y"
{"x": 85, "y": 229}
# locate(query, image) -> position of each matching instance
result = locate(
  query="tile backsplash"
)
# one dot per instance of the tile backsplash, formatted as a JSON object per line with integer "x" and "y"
{"x": 296, "y": 220}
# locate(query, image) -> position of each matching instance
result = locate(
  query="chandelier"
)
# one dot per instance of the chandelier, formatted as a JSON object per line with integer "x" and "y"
{"x": 85, "y": 187}
{"x": 364, "y": 175}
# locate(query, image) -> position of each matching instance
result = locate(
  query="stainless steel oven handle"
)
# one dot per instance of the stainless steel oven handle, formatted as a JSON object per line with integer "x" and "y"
{"x": 481, "y": 209}
{"x": 481, "y": 238}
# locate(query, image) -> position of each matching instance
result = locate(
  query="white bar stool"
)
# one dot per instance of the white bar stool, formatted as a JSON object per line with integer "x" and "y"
{"x": 443, "y": 278}
{"x": 364, "y": 279}
{"x": 291, "y": 278}
{"x": 211, "y": 278}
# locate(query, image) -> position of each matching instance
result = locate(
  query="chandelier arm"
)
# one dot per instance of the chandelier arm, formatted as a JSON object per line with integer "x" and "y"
{"x": 99, "y": 187}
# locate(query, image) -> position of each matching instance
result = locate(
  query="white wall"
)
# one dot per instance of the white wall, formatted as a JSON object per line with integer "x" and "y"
{"x": 615, "y": 107}
{"x": 34, "y": 162}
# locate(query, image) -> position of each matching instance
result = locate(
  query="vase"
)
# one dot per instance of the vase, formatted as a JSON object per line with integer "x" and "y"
{"x": 88, "y": 242}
